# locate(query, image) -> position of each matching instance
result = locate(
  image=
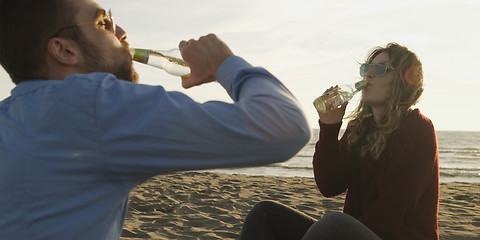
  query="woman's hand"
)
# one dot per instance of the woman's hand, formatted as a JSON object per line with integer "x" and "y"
{"x": 335, "y": 115}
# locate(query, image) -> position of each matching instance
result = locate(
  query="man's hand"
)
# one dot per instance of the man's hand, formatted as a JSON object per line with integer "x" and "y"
{"x": 204, "y": 56}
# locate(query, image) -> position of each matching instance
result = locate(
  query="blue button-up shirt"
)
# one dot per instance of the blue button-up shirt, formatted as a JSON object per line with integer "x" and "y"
{"x": 71, "y": 150}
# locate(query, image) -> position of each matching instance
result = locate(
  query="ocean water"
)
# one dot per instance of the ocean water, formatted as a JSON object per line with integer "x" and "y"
{"x": 459, "y": 159}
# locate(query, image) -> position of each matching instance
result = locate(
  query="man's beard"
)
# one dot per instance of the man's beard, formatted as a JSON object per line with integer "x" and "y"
{"x": 96, "y": 62}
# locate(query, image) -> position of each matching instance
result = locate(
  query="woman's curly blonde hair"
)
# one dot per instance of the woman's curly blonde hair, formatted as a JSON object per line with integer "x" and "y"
{"x": 406, "y": 91}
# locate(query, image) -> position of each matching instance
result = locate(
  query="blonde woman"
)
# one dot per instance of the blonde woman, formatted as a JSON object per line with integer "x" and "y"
{"x": 386, "y": 162}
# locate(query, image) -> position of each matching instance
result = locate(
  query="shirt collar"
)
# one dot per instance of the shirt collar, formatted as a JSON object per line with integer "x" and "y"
{"x": 30, "y": 85}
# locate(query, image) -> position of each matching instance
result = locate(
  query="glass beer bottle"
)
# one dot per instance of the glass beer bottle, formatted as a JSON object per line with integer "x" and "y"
{"x": 337, "y": 96}
{"x": 171, "y": 60}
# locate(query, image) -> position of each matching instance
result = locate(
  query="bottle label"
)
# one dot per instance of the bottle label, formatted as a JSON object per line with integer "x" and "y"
{"x": 329, "y": 101}
{"x": 333, "y": 99}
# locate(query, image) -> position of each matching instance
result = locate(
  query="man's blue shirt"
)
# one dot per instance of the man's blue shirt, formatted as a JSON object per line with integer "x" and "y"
{"x": 71, "y": 150}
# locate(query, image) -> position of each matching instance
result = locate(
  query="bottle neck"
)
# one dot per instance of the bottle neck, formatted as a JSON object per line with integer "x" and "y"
{"x": 359, "y": 86}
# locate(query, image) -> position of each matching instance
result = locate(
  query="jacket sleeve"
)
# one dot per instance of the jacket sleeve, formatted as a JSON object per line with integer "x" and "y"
{"x": 330, "y": 161}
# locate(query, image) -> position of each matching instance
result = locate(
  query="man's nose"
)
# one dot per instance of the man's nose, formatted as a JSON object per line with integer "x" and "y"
{"x": 120, "y": 33}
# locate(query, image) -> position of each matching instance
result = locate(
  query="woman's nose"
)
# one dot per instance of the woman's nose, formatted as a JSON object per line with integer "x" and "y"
{"x": 370, "y": 73}
{"x": 120, "y": 33}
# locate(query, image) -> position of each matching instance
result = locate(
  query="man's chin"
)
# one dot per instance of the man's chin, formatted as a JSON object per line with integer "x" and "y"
{"x": 134, "y": 76}
{"x": 130, "y": 77}
{"x": 126, "y": 72}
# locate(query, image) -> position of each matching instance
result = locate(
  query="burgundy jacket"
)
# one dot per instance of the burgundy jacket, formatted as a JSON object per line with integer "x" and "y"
{"x": 395, "y": 196}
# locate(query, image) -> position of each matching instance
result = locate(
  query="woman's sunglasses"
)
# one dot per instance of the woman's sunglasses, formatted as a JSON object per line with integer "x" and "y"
{"x": 379, "y": 69}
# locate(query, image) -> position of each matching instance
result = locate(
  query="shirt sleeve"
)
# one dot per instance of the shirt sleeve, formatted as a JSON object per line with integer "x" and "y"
{"x": 330, "y": 162}
{"x": 145, "y": 130}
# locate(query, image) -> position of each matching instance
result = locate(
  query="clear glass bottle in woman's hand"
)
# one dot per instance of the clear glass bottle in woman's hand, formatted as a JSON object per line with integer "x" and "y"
{"x": 337, "y": 96}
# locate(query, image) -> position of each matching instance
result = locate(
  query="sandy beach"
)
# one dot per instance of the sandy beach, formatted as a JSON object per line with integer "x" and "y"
{"x": 213, "y": 206}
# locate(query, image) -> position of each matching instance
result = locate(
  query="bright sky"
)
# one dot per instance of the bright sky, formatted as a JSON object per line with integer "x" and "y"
{"x": 313, "y": 44}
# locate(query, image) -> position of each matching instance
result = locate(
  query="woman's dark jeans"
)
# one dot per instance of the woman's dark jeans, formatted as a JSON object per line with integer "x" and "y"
{"x": 270, "y": 220}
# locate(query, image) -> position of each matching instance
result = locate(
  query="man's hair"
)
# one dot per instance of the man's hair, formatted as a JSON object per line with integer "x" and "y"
{"x": 25, "y": 28}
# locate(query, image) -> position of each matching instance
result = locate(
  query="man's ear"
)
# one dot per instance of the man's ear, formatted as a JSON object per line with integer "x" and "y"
{"x": 63, "y": 51}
